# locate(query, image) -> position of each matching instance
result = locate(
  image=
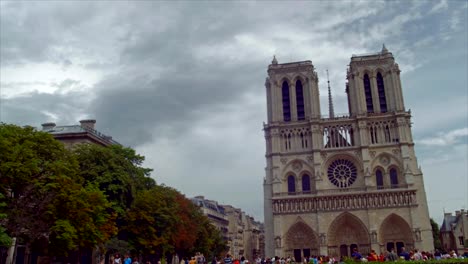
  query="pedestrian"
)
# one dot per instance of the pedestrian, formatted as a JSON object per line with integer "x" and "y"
{"x": 127, "y": 259}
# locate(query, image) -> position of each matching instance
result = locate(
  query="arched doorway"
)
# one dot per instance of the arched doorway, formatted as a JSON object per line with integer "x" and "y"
{"x": 396, "y": 233}
{"x": 301, "y": 241}
{"x": 347, "y": 232}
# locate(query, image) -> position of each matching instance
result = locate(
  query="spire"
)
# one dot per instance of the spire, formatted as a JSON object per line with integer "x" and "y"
{"x": 384, "y": 49}
{"x": 331, "y": 112}
{"x": 274, "y": 61}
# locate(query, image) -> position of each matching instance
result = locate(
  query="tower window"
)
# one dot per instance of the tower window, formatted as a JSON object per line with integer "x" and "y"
{"x": 300, "y": 101}
{"x": 291, "y": 184}
{"x": 286, "y": 103}
{"x": 305, "y": 183}
{"x": 379, "y": 179}
{"x": 368, "y": 93}
{"x": 393, "y": 178}
{"x": 381, "y": 90}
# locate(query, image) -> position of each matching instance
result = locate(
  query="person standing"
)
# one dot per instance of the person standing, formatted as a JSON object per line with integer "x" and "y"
{"x": 404, "y": 254}
{"x": 228, "y": 259}
{"x": 117, "y": 259}
{"x": 356, "y": 255}
{"x": 127, "y": 259}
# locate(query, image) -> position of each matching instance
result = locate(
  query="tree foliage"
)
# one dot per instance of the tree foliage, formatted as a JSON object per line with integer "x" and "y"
{"x": 163, "y": 220}
{"x": 45, "y": 197}
{"x": 5, "y": 239}
{"x": 436, "y": 235}
{"x": 116, "y": 171}
{"x": 83, "y": 198}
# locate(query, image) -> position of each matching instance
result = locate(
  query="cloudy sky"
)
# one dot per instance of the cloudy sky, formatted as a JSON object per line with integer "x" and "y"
{"x": 183, "y": 82}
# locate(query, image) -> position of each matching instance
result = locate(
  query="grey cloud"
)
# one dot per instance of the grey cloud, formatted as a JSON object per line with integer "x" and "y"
{"x": 36, "y": 108}
{"x": 144, "y": 104}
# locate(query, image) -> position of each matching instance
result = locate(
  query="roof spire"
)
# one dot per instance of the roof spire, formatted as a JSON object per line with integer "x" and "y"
{"x": 331, "y": 112}
{"x": 384, "y": 49}
{"x": 274, "y": 61}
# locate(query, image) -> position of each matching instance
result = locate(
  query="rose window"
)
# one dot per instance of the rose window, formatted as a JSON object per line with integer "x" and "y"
{"x": 342, "y": 173}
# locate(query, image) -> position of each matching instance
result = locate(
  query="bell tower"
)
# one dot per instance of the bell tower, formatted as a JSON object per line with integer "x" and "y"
{"x": 374, "y": 84}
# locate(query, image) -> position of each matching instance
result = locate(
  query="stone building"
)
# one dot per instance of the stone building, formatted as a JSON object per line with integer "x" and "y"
{"x": 454, "y": 232}
{"x": 244, "y": 236}
{"x": 215, "y": 214}
{"x": 341, "y": 182}
{"x": 235, "y": 231}
{"x": 85, "y": 132}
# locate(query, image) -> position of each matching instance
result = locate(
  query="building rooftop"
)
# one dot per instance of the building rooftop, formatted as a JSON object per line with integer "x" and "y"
{"x": 86, "y": 128}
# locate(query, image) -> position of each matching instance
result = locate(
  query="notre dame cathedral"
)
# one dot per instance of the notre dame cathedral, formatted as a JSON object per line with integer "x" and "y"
{"x": 341, "y": 182}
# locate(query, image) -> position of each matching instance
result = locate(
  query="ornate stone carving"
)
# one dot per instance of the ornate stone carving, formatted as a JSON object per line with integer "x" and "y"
{"x": 396, "y": 151}
{"x": 284, "y": 160}
{"x": 297, "y": 166}
{"x": 323, "y": 154}
{"x": 358, "y": 154}
{"x": 310, "y": 159}
{"x": 417, "y": 234}
{"x": 323, "y": 239}
{"x": 361, "y": 201}
{"x": 384, "y": 160}
{"x": 372, "y": 154}
{"x": 373, "y": 236}
{"x": 278, "y": 242}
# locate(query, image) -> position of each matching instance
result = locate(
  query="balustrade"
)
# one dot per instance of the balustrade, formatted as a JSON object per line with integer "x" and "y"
{"x": 369, "y": 200}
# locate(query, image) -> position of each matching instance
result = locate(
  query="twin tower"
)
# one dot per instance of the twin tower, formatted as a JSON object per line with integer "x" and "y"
{"x": 341, "y": 182}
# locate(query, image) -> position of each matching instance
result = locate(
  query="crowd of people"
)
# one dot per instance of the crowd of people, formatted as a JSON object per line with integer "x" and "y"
{"x": 389, "y": 256}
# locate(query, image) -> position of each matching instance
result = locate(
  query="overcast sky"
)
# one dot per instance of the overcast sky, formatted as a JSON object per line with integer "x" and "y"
{"x": 183, "y": 82}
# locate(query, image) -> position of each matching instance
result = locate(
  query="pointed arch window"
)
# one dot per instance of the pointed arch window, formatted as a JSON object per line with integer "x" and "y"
{"x": 305, "y": 183}
{"x": 379, "y": 179}
{"x": 368, "y": 93}
{"x": 381, "y": 90}
{"x": 300, "y": 100}
{"x": 286, "y": 102}
{"x": 291, "y": 184}
{"x": 393, "y": 178}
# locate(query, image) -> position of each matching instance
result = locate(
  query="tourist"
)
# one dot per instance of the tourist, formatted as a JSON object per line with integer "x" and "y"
{"x": 127, "y": 259}
{"x": 356, "y": 255}
{"x": 404, "y": 254}
{"x": 117, "y": 259}
{"x": 228, "y": 259}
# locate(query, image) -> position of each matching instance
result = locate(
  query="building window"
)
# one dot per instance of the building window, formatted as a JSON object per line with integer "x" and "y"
{"x": 381, "y": 90}
{"x": 305, "y": 183}
{"x": 291, "y": 184}
{"x": 300, "y": 101}
{"x": 393, "y": 178}
{"x": 368, "y": 93}
{"x": 379, "y": 179}
{"x": 286, "y": 103}
{"x": 342, "y": 173}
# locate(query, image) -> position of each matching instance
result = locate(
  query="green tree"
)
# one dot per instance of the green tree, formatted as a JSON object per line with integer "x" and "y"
{"x": 436, "y": 235}
{"x": 44, "y": 194}
{"x": 32, "y": 164}
{"x": 5, "y": 239}
{"x": 163, "y": 221}
{"x": 82, "y": 219}
{"x": 116, "y": 171}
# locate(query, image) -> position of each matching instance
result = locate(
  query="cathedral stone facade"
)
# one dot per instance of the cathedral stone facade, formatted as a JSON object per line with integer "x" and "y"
{"x": 337, "y": 183}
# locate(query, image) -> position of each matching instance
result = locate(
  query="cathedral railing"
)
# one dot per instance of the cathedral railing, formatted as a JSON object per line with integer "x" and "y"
{"x": 370, "y": 200}
{"x": 344, "y": 190}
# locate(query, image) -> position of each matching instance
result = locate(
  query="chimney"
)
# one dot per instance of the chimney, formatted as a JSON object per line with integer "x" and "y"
{"x": 88, "y": 123}
{"x": 48, "y": 126}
